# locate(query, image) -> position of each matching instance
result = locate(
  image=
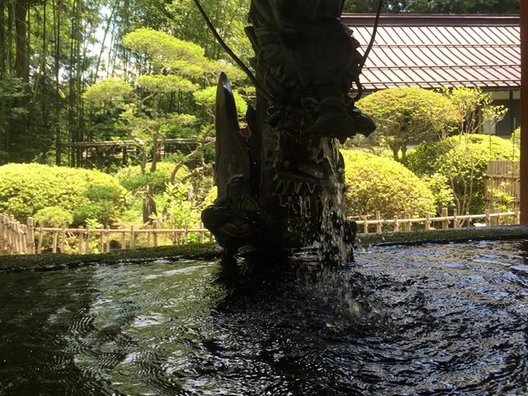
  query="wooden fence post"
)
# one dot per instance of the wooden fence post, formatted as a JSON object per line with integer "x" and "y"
{"x": 427, "y": 222}
{"x": 54, "y": 244}
{"x": 445, "y": 220}
{"x": 517, "y": 217}
{"x": 132, "y": 238}
{"x": 149, "y": 227}
{"x": 123, "y": 239}
{"x": 396, "y": 224}
{"x": 88, "y": 247}
{"x": 40, "y": 240}
{"x": 455, "y": 218}
{"x": 202, "y": 233}
{"x": 2, "y": 242}
{"x": 365, "y": 225}
{"x": 63, "y": 239}
{"x": 17, "y": 237}
{"x": 101, "y": 242}
{"x": 107, "y": 234}
{"x": 22, "y": 231}
{"x": 408, "y": 223}
{"x": 80, "y": 244}
{"x": 487, "y": 219}
{"x": 30, "y": 232}
{"x": 378, "y": 224}
{"x": 155, "y": 226}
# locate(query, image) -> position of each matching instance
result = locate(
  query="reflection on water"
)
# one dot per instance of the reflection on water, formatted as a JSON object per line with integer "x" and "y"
{"x": 438, "y": 319}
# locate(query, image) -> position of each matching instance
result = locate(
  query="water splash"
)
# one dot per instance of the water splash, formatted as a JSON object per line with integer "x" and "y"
{"x": 336, "y": 236}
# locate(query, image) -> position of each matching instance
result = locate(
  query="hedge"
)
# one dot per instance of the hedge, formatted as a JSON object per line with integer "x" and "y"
{"x": 26, "y": 189}
{"x": 376, "y": 183}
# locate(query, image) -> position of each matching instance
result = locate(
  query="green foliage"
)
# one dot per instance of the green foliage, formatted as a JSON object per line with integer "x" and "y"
{"x": 475, "y": 108}
{"x": 501, "y": 200}
{"x": 168, "y": 53}
{"x": 106, "y": 100}
{"x": 375, "y": 183}
{"x": 179, "y": 208}
{"x": 424, "y": 159}
{"x": 11, "y": 89}
{"x": 183, "y": 203}
{"x": 105, "y": 204}
{"x": 134, "y": 180}
{"x": 406, "y": 116}
{"x": 53, "y": 216}
{"x": 207, "y": 98}
{"x": 442, "y": 192}
{"x": 165, "y": 84}
{"x": 27, "y": 188}
{"x": 109, "y": 92}
{"x": 228, "y": 16}
{"x": 463, "y": 161}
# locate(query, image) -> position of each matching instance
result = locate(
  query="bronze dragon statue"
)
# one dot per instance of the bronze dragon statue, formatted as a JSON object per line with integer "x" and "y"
{"x": 281, "y": 180}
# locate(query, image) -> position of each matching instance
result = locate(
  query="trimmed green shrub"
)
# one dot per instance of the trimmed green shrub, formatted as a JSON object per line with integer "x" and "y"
{"x": 407, "y": 116}
{"x": 375, "y": 183}
{"x": 53, "y": 216}
{"x": 133, "y": 180}
{"x": 27, "y": 188}
{"x": 442, "y": 192}
{"x": 463, "y": 161}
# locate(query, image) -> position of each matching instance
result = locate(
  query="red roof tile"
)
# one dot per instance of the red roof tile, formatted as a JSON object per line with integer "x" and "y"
{"x": 434, "y": 51}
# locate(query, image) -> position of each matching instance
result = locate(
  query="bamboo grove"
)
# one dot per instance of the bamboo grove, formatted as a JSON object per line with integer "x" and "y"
{"x": 52, "y": 50}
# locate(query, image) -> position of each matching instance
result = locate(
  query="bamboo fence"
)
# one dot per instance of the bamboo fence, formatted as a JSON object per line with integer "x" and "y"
{"x": 17, "y": 238}
{"x": 502, "y": 182}
{"x": 379, "y": 225}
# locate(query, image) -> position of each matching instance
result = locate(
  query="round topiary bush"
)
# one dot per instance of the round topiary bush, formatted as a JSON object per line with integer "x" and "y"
{"x": 376, "y": 183}
{"x": 462, "y": 160}
{"x": 407, "y": 116}
{"x": 27, "y": 188}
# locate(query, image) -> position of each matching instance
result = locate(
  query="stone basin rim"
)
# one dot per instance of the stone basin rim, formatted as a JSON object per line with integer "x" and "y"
{"x": 212, "y": 252}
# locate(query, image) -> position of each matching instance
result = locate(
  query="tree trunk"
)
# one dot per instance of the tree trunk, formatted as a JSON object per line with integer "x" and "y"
{"x": 21, "y": 62}
{"x": 58, "y": 132}
{"x": 4, "y": 49}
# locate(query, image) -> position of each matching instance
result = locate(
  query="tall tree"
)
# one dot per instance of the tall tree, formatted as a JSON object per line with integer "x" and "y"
{"x": 21, "y": 34}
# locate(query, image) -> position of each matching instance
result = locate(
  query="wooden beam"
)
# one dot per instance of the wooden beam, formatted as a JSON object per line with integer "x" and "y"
{"x": 524, "y": 112}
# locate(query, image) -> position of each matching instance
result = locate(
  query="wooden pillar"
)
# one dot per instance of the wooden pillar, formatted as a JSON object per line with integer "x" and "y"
{"x": 524, "y": 112}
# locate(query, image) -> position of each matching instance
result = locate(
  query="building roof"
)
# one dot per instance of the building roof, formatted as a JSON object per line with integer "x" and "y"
{"x": 435, "y": 51}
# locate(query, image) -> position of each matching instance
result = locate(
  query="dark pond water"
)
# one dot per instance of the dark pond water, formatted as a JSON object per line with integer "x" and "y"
{"x": 437, "y": 319}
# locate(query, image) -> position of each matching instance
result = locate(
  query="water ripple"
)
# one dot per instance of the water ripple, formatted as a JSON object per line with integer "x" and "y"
{"x": 413, "y": 320}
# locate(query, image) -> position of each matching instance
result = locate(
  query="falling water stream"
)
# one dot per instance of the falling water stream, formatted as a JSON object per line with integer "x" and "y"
{"x": 433, "y": 319}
